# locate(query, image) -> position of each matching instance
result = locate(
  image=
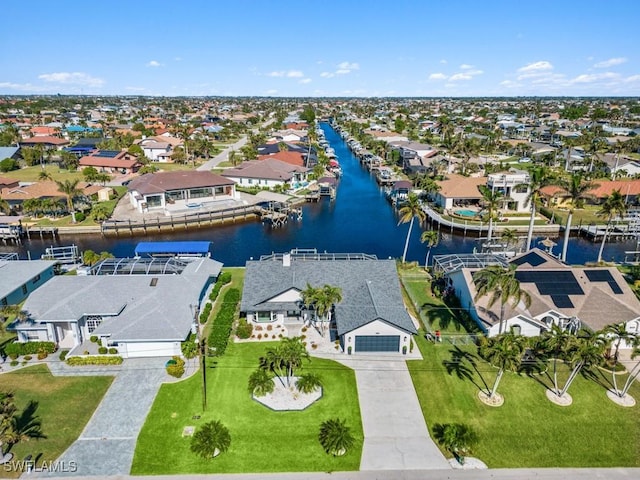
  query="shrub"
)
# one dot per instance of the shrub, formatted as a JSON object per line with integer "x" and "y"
{"x": 63, "y": 355}
{"x": 27, "y": 358}
{"x": 244, "y": 329}
{"x": 260, "y": 383}
{"x": 8, "y": 164}
{"x": 335, "y": 437}
{"x": 29, "y": 348}
{"x": 102, "y": 350}
{"x": 80, "y": 217}
{"x": 259, "y": 336}
{"x": 212, "y": 439}
{"x": 269, "y": 327}
{"x": 24, "y": 362}
{"x": 113, "y": 351}
{"x": 93, "y": 339}
{"x": 42, "y": 355}
{"x": 94, "y": 360}
{"x": 308, "y": 382}
{"x": 189, "y": 347}
{"x": 14, "y": 363}
{"x": 176, "y": 368}
{"x": 223, "y": 279}
{"x": 206, "y": 312}
{"x": 458, "y": 438}
{"x": 223, "y": 322}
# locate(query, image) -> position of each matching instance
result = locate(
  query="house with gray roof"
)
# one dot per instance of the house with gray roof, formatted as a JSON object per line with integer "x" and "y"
{"x": 371, "y": 316}
{"x": 9, "y": 152}
{"x": 269, "y": 172}
{"x": 19, "y": 278}
{"x": 141, "y": 313}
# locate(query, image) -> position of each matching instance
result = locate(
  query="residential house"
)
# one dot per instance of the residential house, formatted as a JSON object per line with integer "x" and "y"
{"x": 267, "y": 173}
{"x": 16, "y": 195}
{"x": 19, "y": 278}
{"x": 290, "y": 135}
{"x": 371, "y": 316}
{"x": 47, "y": 141}
{"x": 6, "y": 182}
{"x": 142, "y": 315}
{"x": 457, "y": 190}
{"x": 627, "y": 167}
{"x": 156, "y": 151}
{"x": 592, "y": 297}
{"x": 111, "y": 161}
{"x": 292, "y": 158}
{"x": 180, "y": 190}
{"x": 416, "y": 157}
{"x": 9, "y": 152}
{"x": 514, "y": 186}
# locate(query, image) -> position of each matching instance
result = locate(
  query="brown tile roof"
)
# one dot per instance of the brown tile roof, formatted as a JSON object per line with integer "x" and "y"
{"x": 8, "y": 182}
{"x": 41, "y": 130}
{"x": 293, "y": 158}
{"x": 43, "y": 140}
{"x": 607, "y": 187}
{"x": 458, "y": 186}
{"x": 122, "y": 160}
{"x": 47, "y": 189}
{"x": 166, "y": 181}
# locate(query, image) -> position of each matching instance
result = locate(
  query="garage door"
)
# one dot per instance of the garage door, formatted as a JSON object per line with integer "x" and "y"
{"x": 151, "y": 349}
{"x": 377, "y": 343}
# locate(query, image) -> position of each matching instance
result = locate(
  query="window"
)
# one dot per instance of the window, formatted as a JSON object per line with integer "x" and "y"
{"x": 199, "y": 192}
{"x": 93, "y": 322}
{"x": 31, "y": 336}
{"x": 36, "y": 279}
{"x": 154, "y": 201}
{"x": 250, "y": 181}
{"x": 263, "y": 317}
{"x": 219, "y": 190}
{"x": 4, "y": 302}
{"x": 24, "y": 289}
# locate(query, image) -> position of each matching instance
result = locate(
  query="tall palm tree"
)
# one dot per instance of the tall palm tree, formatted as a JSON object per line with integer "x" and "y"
{"x": 577, "y": 189}
{"x": 70, "y": 189}
{"x": 509, "y": 236}
{"x": 325, "y": 298}
{"x": 44, "y": 175}
{"x": 410, "y": 210}
{"x": 554, "y": 343}
{"x": 431, "y": 238}
{"x": 505, "y": 352}
{"x": 539, "y": 177}
{"x": 492, "y": 200}
{"x": 618, "y": 333}
{"x": 500, "y": 283}
{"x": 614, "y": 206}
{"x": 585, "y": 349}
{"x": 634, "y": 372}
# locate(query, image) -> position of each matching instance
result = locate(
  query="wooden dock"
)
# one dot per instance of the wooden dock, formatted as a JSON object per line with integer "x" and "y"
{"x": 596, "y": 232}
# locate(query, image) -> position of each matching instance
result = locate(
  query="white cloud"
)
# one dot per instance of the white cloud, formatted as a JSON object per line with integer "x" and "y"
{"x": 536, "y": 67}
{"x": 177, "y": 59}
{"x": 443, "y": 61}
{"x": 305, "y": 80}
{"x": 460, "y": 76}
{"x": 271, "y": 92}
{"x": 327, "y": 74}
{"x": 465, "y": 66}
{"x": 594, "y": 77}
{"x": 72, "y": 78}
{"x": 23, "y": 87}
{"x": 348, "y": 66}
{"x": 295, "y": 74}
{"x": 437, "y": 76}
{"x": 288, "y": 74}
{"x": 154, "y": 63}
{"x": 611, "y": 62}
{"x": 632, "y": 78}
{"x": 135, "y": 89}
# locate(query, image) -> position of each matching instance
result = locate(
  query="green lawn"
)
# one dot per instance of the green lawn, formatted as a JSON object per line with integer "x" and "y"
{"x": 262, "y": 440}
{"x": 528, "y": 430}
{"x": 31, "y": 174}
{"x": 65, "y": 406}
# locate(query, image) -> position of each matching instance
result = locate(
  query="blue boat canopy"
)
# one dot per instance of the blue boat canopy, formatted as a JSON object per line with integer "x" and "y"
{"x": 153, "y": 249}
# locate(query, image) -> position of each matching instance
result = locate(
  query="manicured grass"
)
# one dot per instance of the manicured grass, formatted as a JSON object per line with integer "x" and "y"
{"x": 172, "y": 167}
{"x": 528, "y": 430}
{"x": 31, "y": 174}
{"x": 262, "y": 440}
{"x": 65, "y": 405}
{"x": 237, "y": 281}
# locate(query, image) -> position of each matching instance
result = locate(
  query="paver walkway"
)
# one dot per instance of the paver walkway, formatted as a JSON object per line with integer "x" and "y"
{"x": 395, "y": 433}
{"x": 107, "y": 444}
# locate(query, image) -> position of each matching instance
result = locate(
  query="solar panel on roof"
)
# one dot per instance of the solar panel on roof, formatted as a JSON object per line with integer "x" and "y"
{"x": 552, "y": 282}
{"x": 532, "y": 258}
{"x": 604, "y": 276}
{"x": 108, "y": 153}
{"x": 561, "y": 301}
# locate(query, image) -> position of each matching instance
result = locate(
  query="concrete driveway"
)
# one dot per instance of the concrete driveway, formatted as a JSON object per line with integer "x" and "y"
{"x": 223, "y": 156}
{"x": 395, "y": 433}
{"x": 107, "y": 444}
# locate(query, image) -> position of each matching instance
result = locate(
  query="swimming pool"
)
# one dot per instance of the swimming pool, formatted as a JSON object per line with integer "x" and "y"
{"x": 466, "y": 213}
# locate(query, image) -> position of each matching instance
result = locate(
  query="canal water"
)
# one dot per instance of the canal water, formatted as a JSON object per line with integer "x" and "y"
{"x": 359, "y": 220}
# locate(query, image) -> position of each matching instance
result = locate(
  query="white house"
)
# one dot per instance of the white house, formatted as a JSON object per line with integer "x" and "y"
{"x": 156, "y": 151}
{"x": 515, "y": 189}
{"x": 142, "y": 315}
{"x": 371, "y": 316}
{"x": 266, "y": 173}
{"x": 629, "y": 168}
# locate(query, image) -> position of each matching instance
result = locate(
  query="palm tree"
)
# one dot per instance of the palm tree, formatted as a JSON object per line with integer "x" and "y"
{"x": 4, "y": 206}
{"x": 70, "y": 189}
{"x": 501, "y": 284}
{"x": 431, "y": 238}
{"x": 212, "y": 439}
{"x": 614, "y": 205}
{"x": 410, "y": 210}
{"x": 272, "y": 361}
{"x": 539, "y": 177}
{"x": 18, "y": 427}
{"x": 308, "y": 382}
{"x": 504, "y": 352}
{"x": 260, "y": 383}
{"x": 585, "y": 349}
{"x": 577, "y": 189}
{"x": 554, "y": 343}
{"x": 457, "y": 438}
{"x": 44, "y": 175}
{"x": 618, "y": 333}
{"x": 335, "y": 437}
{"x": 492, "y": 199}
{"x": 509, "y": 236}
{"x": 292, "y": 352}
{"x": 633, "y": 373}
{"x": 325, "y": 298}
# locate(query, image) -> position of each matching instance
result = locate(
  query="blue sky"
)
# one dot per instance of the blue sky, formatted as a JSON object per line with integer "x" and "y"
{"x": 361, "y": 48}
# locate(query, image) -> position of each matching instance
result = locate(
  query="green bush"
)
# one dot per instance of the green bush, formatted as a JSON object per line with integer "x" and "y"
{"x": 223, "y": 322}
{"x": 80, "y": 217}
{"x": 93, "y": 339}
{"x": 244, "y": 329}
{"x": 113, "y": 351}
{"x": 189, "y": 347}
{"x": 14, "y": 363}
{"x": 63, "y": 354}
{"x": 102, "y": 350}
{"x": 223, "y": 279}
{"x": 94, "y": 360}
{"x": 42, "y": 355}
{"x": 13, "y": 356}
{"x": 176, "y": 368}
{"x": 206, "y": 312}
{"x": 8, "y": 164}
{"x": 29, "y": 348}
{"x": 27, "y": 358}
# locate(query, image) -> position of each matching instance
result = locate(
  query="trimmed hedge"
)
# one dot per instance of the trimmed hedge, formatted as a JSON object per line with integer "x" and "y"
{"x": 204, "y": 315}
{"x": 223, "y": 322}
{"x": 223, "y": 279}
{"x": 63, "y": 354}
{"x": 29, "y": 348}
{"x": 94, "y": 360}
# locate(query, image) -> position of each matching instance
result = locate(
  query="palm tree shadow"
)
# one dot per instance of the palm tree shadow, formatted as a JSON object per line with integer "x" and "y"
{"x": 27, "y": 425}
{"x": 598, "y": 377}
{"x": 463, "y": 365}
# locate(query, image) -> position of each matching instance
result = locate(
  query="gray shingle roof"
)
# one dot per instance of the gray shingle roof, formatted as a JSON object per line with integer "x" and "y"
{"x": 137, "y": 310}
{"x": 370, "y": 289}
{"x": 14, "y": 273}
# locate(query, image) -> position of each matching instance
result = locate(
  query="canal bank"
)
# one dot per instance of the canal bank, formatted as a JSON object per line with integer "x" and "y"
{"x": 360, "y": 219}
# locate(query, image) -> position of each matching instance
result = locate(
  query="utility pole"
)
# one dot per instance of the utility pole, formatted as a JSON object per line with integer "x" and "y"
{"x": 203, "y": 367}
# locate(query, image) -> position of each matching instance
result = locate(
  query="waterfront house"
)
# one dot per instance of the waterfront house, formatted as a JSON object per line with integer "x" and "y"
{"x": 571, "y": 297}
{"x": 180, "y": 191}
{"x": 19, "y": 278}
{"x": 630, "y": 190}
{"x": 111, "y": 161}
{"x": 142, "y": 307}
{"x": 514, "y": 186}
{"x": 16, "y": 195}
{"x": 459, "y": 191}
{"x": 371, "y": 316}
{"x": 267, "y": 173}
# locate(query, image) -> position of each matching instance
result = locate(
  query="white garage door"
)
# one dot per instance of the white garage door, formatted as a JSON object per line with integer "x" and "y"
{"x": 150, "y": 349}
